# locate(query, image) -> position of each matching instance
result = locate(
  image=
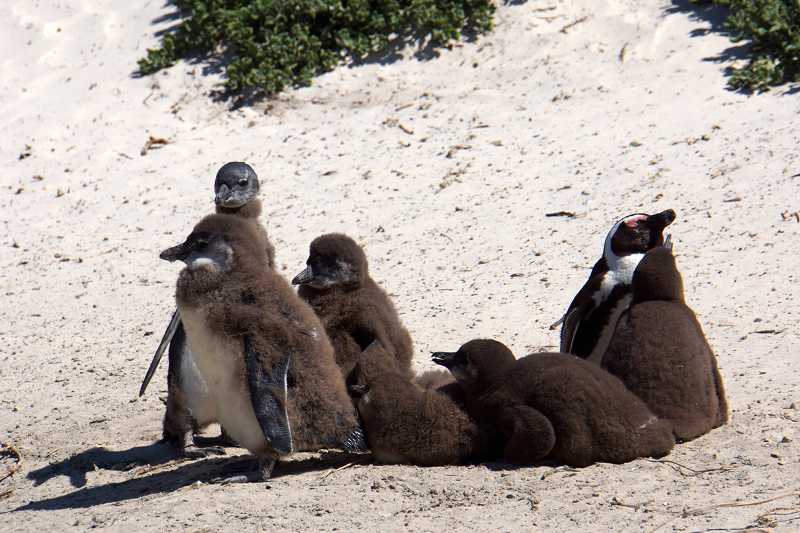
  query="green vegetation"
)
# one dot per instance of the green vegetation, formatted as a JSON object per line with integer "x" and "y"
{"x": 267, "y": 45}
{"x": 773, "y": 28}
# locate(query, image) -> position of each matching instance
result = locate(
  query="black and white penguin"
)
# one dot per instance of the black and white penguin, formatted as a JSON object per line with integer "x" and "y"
{"x": 354, "y": 309}
{"x": 261, "y": 351}
{"x": 661, "y": 354}
{"x": 554, "y": 405}
{"x": 236, "y": 188}
{"x": 591, "y": 317}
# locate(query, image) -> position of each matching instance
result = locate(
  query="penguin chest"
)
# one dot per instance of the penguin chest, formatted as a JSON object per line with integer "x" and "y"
{"x": 195, "y": 390}
{"x": 220, "y": 362}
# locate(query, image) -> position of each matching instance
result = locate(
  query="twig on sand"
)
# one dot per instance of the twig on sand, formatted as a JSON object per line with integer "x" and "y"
{"x": 634, "y": 506}
{"x": 10, "y": 449}
{"x": 704, "y": 510}
{"x": 694, "y": 472}
{"x": 572, "y": 24}
{"x": 153, "y": 142}
{"x": 623, "y": 51}
{"x": 568, "y": 214}
{"x": 348, "y": 465}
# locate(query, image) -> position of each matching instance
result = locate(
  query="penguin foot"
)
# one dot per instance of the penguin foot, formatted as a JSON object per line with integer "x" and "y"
{"x": 207, "y": 451}
{"x": 260, "y": 474}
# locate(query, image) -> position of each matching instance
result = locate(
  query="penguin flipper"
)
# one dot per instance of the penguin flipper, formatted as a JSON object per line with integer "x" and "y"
{"x": 569, "y": 329}
{"x": 269, "y": 396}
{"x": 174, "y": 323}
{"x": 581, "y": 307}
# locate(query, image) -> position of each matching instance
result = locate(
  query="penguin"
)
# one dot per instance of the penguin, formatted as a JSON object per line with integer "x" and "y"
{"x": 406, "y": 423}
{"x": 554, "y": 405}
{"x": 236, "y": 187}
{"x": 235, "y": 193}
{"x": 590, "y": 319}
{"x": 261, "y": 351}
{"x": 660, "y": 352}
{"x": 353, "y": 308}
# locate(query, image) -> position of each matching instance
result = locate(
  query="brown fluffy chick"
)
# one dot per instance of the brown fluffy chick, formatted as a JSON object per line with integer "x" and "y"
{"x": 236, "y": 187}
{"x": 405, "y": 423}
{"x": 353, "y": 308}
{"x": 661, "y": 354}
{"x": 262, "y": 351}
{"x": 555, "y": 405}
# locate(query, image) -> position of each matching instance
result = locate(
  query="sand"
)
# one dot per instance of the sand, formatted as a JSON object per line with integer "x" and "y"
{"x": 624, "y": 111}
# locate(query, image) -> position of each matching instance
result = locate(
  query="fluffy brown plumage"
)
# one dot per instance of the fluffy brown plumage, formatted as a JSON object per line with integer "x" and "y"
{"x": 251, "y": 211}
{"x": 661, "y": 354}
{"x": 555, "y": 405}
{"x": 406, "y": 423}
{"x": 178, "y": 417}
{"x": 226, "y": 290}
{"x": 353, "y": 308}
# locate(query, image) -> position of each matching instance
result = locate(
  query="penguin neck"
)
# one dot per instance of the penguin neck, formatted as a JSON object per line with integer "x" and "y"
{"x": 621, "y": 268}
{"x": 251, "y": 209}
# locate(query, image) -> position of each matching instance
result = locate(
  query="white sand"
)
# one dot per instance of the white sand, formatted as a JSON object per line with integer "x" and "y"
{"x": 546, "y": 121}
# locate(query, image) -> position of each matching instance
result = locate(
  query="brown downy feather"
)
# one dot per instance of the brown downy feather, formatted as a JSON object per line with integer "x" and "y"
{"x": 661, "y": 354}
{"x": 252, "y": 211}
{"x": 358, "y": 313}
{"x": 405, "y": 423}
{"x": 257, "y": 302}
{"x": 557, "y": 405}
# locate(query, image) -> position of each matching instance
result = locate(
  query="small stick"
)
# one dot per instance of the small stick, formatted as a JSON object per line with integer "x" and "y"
{"x": 622, "y": 53}
{"x": 348, "y": 465}
{"x": 568, "y": 214}
{"x": 704, "y": 510}
{"x": 695, "y": 472}
{"x": 573, "y": 24}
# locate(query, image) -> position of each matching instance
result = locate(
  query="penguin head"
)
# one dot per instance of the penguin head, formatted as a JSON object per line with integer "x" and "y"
{"x": 217, "y": 244}
{"x": 657, "y": 278}
{"x": 202, "y": 250}
{"x": 334, "y": 261}
{"x": 236, "y": 184}
{"x": 477, "y": 364}
{"x": 636, "y": 234}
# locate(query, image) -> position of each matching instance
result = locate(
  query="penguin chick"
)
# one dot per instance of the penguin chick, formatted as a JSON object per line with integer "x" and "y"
{"x": 408, "y": 424}
{"x": 593, "y": 313}
{"x": 555, "y": 405}
{"x": 236, "y": 188}
{"x": 261, "y": 350}
{"x": 661, "y": 354}
{"x": 353, "y": 308}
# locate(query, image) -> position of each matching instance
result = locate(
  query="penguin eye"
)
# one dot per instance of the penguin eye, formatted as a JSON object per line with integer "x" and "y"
{"x": 243, "y": 182}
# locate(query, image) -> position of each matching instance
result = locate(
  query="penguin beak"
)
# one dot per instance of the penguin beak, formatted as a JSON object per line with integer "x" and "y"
{"x": 357, "y": 391}
{"x": 449, "y": 360}
{"x": 303, "y": 277}
{"x": 661, "y": 220}
{"x": 222, "y": 196}
{"x": 177, "y": 253}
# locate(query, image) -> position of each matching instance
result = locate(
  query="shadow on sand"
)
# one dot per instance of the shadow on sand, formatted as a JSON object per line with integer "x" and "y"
{"x": 204, "y": 470}
{"x": 715, "y": 16}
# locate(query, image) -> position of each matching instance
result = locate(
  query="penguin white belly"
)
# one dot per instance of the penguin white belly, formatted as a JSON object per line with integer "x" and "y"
{"x": 198, "y": 398}
{"x": 220, "y": 362}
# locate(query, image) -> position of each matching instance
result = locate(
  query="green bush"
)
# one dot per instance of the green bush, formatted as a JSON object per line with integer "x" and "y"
{"x": 773, "y": 28}
{"x": 267, "y": 45}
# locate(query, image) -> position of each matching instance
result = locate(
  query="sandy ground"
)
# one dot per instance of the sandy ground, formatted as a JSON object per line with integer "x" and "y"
{"x": 624, "y": 111}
